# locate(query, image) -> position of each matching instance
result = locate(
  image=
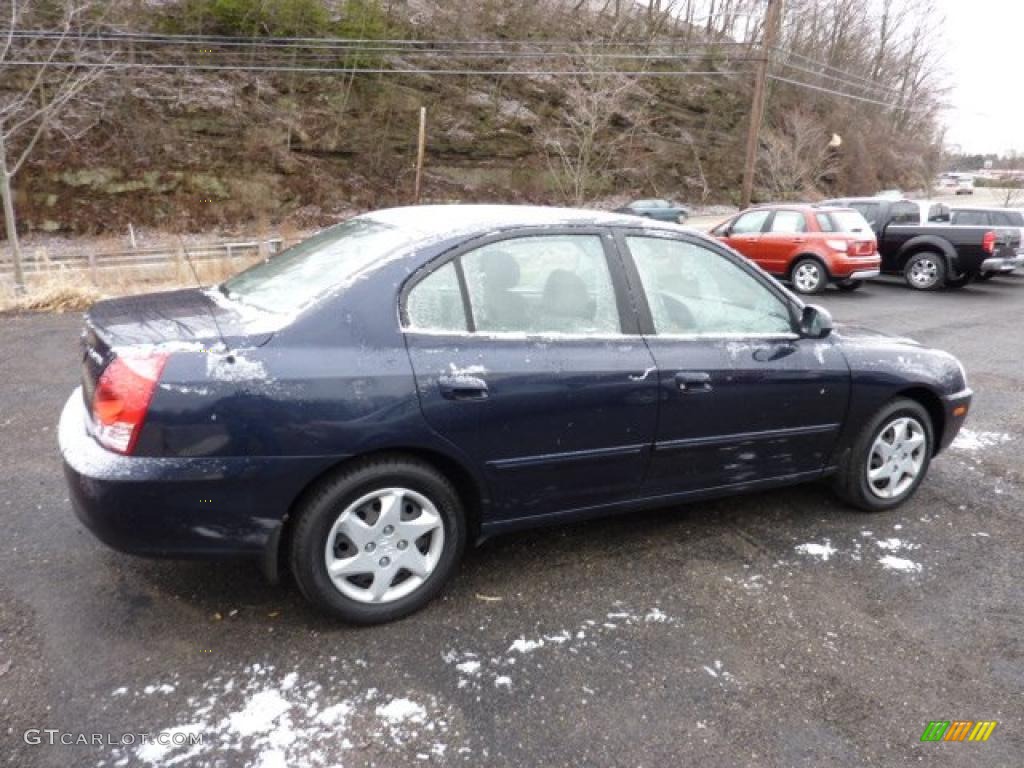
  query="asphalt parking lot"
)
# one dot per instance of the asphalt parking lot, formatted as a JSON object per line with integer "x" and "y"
{"x": 777, "y": 629}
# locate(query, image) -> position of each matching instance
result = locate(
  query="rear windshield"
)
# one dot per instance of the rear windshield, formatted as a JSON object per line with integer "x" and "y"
{"x": 851, "y": 221}
{"x": 304, "y": 272}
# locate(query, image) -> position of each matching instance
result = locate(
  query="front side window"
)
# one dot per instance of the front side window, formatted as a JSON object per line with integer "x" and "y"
{"x": 542, "y": 284}
{"x": 691, "y": 290}
{"x": 750, "y": 222}
{"x": 435, "y": 303}
{"x": 788, "y": 221}
{"x": 938, "y": 213}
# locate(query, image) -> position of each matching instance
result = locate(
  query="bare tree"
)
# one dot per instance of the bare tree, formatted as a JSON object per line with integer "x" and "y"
{"x": 32, "y": 108}
{"x": 580, "y": 147}
{"x": 795, "y": 158}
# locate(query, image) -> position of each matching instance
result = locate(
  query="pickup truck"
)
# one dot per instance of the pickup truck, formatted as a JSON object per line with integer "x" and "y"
{"x": 1007, "y": 218}
{"x": 916, "y": 240}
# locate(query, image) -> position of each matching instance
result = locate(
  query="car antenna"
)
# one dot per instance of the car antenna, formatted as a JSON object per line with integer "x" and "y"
{"x": 199, "y": 284}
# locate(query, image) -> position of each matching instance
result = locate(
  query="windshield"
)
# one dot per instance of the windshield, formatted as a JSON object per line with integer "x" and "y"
{"x": 850, "y": 221}
{"x": 302, "y": 273}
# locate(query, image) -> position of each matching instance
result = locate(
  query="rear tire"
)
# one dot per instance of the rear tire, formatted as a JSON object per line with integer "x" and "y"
{"x": 849, "y": 285}
{"x": 925, "y": 271}
{"x": 369, "y": 522}
{"x": 873, "y": 477}
{"x": 808, "y": 276}
{"x": 984, "y": 276}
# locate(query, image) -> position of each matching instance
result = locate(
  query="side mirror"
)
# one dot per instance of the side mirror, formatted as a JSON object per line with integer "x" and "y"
{"x": 815, "y": 322}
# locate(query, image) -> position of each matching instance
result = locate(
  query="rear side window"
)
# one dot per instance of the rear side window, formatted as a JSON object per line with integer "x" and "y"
{"x": 905, "y": 213}
{"x": 750, "y": 223}
{"x": 970, "y": 218}
{"x": 868, "y": 210}
{"x": 788, "y": 221}
{"x": 542, "y": 284}
{"x": 1008, "y": 218}
{"x": 851, "y": 221}
{"x": 435, "y": 303}
{"x": 938, "y": 213}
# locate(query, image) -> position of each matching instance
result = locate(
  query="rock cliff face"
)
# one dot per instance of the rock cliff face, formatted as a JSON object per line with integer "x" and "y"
{"x": 229, "y": 149}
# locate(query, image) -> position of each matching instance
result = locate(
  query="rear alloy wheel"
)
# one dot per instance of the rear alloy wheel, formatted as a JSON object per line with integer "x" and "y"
{"x": 378, "y": 541}
{"x": 889, "y": 458}
{"x": 925, "y": 271}
{"x": 849, "y": 285}
{"x": 809, "y": 276}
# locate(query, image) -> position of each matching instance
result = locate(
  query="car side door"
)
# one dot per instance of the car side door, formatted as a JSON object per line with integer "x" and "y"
{"x": 785, "y": 236}
{"x": 743, "y": 399}
{"x": 744, "y": 233}
{"x": 527, "y": 356}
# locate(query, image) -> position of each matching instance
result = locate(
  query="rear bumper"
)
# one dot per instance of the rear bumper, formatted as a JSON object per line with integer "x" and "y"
{"x": 956, "y": 408}
{"x": 177, "y": 507}
{"x": 864, "y": 274}
{"x": 1002, "y": 263}
{"x": 855, "y": 267}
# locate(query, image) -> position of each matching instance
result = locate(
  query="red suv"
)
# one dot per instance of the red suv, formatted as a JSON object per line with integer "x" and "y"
{"x": 806, "y": 245}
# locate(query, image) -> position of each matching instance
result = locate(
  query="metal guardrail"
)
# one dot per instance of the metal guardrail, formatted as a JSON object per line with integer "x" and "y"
{"x": 36, "y": 261}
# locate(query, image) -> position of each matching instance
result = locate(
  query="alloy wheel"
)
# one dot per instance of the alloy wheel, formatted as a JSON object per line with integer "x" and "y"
{"x": 924, "y": 273}
{"x": 897, "y": 457}
{"x": 384, "y": 545}
{"x": 807, "y": 277}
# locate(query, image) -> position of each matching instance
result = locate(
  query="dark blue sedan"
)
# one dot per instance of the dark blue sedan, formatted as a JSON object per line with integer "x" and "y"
{"x": 359, "y": 407}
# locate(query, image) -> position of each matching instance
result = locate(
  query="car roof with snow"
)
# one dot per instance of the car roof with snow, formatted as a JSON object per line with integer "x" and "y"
{"x": 443, "y": 221}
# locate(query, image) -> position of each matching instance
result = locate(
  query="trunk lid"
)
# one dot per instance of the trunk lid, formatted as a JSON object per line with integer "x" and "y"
{"x": 190, "y": 319}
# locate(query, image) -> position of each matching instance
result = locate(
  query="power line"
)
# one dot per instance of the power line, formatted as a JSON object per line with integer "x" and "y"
{"x": 822, "y": 89}
{"x": 387, "y": 71}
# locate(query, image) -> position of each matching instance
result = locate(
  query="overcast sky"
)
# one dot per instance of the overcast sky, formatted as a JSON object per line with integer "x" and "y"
{"x": 984, "y": 42}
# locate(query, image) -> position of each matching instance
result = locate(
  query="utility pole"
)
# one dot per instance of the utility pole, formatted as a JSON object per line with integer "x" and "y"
{"x": 421, "y": 146}
{"x": 772, "y": 22}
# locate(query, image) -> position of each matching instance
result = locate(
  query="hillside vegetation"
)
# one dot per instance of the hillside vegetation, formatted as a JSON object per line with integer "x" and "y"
{"x": 181, "y": 149}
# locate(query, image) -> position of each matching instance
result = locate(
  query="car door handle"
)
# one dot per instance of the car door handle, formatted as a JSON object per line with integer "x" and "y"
{"x": 463, "y": 388}
{"x": 693, "y": 382}
{"x": 799, "y": 240}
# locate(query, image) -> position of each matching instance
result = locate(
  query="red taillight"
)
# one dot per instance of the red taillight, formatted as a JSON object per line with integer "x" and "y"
{"x": 989, "y": 242}
{"x": 122, "y": 398}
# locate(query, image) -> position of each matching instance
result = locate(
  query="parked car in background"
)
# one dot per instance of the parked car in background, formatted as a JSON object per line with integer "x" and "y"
{"x": 891, "y": 194}
{"x": 806, "y": 245}
{"x": 1007, "y": 218}
{"x": 659, "y": 210}
{"x": 363, "y": 405}
{"x": 932, "y": 254}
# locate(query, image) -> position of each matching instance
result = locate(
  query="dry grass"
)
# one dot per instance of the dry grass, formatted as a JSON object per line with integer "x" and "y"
{"x": 66, "y": 290}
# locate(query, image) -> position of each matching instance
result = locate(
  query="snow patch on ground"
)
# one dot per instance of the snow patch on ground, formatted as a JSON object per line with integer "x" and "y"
{"x": 259, "y": 717}
{"x": 479, "y": 671}
{"x": 820, "y": 551}
{"x": 971, "y": 442}
{"x": 893, "y": 563}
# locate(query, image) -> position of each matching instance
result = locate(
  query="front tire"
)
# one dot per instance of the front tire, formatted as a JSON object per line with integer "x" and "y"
{"x": 808, "y": 276}
{"x": 379, "y": 540}
{"x": 982, "y": 277}
{"x": 849, "y": 285}
{"x": 925, "y": 271}
{"x": 889, "y": 458}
